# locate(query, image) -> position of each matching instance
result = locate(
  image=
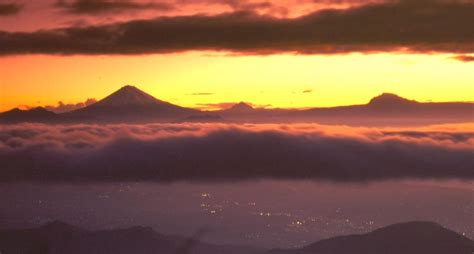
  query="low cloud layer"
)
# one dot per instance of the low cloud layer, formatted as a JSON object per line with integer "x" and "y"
{"x": 210, "y": 152}
{"x": 411, "y": 26}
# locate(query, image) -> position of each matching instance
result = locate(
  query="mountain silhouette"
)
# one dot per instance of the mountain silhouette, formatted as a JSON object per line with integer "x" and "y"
{"x": 390, "y": 109}
{"x": 404, "y": 238}
{"x": 241, "y": 107}
{"x": 390, "y": 100}
{"x": 130, "y": 104}
{"x": 130, "y": 96}
{"x": 38, "y": 114}
{"x": 60, "y": 238}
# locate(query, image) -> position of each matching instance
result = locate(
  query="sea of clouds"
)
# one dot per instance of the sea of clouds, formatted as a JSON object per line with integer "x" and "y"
{"x": 219, "y": 152}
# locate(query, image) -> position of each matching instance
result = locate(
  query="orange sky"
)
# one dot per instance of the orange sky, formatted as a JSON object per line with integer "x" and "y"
{"x": 190, "y": 79}
{"x": 195, "y": 77}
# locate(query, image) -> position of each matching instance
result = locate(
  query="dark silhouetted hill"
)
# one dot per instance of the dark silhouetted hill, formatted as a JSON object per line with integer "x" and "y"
{"x": 61, "y": 238}
{"x": 403, "y": 238}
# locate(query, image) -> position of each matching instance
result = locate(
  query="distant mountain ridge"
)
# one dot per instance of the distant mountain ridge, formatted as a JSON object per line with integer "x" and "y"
{"x": 131, "y": 105}
{"x": 38, "y": 114}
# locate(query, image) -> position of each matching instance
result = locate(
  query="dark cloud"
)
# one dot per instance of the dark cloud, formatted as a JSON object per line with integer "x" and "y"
{"x": 271, "y": 7}
{"x": 237, "y": 5}
{"x": 465, "y": 58}
{"x": 247, "y": 5}
{"x": 307, "y": 91}
{"x": 101, "y": 6}
{"x": 7, "y": 9}
{"x": 207, "y": 152}
{"x": 413, "y": 26}
{"x": 202, "y": 94}
{"x": 61, "y": 107}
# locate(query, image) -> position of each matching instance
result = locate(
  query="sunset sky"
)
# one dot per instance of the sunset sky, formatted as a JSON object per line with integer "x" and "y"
{"x": 283, "y": 175}
{"x": 284, "y": 53}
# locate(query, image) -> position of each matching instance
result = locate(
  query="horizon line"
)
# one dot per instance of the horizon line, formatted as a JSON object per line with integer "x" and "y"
{"x": 229, "y": 104}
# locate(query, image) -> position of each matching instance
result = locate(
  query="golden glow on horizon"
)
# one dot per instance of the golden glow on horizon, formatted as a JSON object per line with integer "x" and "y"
{"x": 278, "y": 80}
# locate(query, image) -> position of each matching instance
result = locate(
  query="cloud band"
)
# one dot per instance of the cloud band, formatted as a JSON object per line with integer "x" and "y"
{"x": 208, "y": 152}
{"x": 411, "y": 26}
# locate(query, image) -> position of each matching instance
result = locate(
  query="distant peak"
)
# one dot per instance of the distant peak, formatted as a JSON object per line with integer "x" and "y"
{"x": 129, "y": 88}
{"x": 389, "y": 99}
{"x": 128, "y": 95}
{"x": 241, "y": 106}
{"x": 388, "y": 96}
